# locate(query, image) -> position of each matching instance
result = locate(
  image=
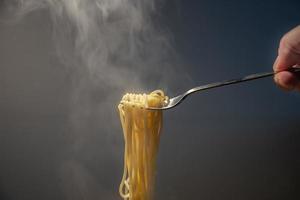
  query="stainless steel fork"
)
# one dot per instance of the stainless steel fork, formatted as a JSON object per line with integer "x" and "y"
{"x": 171, "y": 103}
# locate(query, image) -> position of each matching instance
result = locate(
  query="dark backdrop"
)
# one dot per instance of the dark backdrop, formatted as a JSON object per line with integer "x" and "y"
{"x": 238, "y": 142}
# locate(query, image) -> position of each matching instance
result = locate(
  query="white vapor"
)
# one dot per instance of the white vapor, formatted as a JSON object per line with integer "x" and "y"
{"x": 112, "y": 41}
{"x": 109, "y": 47}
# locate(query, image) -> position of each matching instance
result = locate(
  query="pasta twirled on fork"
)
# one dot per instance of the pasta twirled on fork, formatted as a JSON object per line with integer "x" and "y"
{"x": 141, "y": 128}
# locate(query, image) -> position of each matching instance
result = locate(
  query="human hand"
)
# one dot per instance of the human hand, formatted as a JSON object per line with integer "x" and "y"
{"x": 288, "y": 56}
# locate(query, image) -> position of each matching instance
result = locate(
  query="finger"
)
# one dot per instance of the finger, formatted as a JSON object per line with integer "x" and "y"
{"x": 275, "y": 65}
{"x": 286, "y": 59}
{"x": 287, "y": 80}
{"x": 288, "y": 51}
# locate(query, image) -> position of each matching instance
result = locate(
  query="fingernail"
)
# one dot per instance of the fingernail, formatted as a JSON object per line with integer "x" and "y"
{"x": 282, "y": 84}
{"x": 276, "y": 79}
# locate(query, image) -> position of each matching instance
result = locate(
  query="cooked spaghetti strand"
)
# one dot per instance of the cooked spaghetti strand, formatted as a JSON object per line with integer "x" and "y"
{"x": 141, "y": 128}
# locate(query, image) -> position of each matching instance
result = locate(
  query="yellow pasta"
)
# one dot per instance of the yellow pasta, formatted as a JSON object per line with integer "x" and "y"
{"x": 141, "y": 128}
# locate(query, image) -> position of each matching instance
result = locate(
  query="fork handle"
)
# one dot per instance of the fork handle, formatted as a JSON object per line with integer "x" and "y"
{"x": 239, "y": 80}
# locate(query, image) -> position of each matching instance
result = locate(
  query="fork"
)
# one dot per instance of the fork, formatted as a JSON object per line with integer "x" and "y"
{"x": 175, "y": 101}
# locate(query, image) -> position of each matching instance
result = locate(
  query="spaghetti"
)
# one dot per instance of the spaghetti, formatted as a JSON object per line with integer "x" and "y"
{"x": 141, "y": 128}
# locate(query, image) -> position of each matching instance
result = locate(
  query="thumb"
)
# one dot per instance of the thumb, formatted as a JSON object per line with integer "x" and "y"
{"x": 285, "y": 60}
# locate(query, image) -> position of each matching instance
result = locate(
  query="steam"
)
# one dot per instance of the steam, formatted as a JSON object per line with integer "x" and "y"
{"x": 113, "y": 42}
{"x": 109, "y": 47}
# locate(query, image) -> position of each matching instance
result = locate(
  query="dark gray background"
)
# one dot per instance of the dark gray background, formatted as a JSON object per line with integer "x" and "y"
{"x": 238, "y": 142}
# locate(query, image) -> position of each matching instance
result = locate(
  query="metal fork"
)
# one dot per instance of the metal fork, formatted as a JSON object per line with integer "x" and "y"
{"x": 171, "y": 103}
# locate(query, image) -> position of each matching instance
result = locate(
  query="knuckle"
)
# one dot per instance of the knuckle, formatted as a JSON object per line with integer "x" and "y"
{"x": 284, "y": 42}
{"x": 285, "y": 45}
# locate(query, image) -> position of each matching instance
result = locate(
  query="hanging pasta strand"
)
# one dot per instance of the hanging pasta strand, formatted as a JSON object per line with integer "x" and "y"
{"x": 141, "y": 128}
